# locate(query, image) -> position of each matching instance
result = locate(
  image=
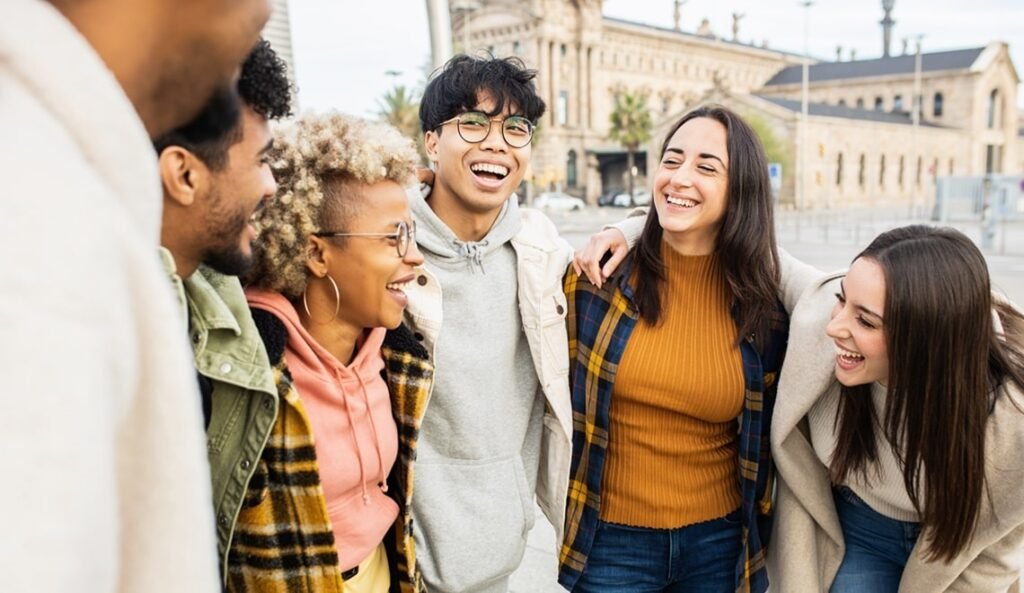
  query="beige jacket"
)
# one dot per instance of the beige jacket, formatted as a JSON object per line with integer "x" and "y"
{"x": 807, "y": 543}
{"x": 106, "y": 487}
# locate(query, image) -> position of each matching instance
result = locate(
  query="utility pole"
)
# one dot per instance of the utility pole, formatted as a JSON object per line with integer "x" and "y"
{"x": 801, "y": 194}
{"x": 440, "y": 22}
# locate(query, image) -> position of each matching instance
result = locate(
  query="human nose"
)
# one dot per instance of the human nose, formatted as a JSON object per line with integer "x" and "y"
{"x": 269, "y": 183}
{"x": 495, "y": 138}
{"x": 838, "y": 327}
{"x": 413, "y": 257}
{"x": 682, "y": 176}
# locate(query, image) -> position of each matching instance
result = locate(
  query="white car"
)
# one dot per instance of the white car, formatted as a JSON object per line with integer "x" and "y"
{"x": 641, "y": 197}
{"x": 558, "y": 201}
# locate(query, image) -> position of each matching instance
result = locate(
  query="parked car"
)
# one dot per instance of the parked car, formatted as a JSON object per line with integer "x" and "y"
{"x": 558, "y": 201}
{"x": 641, "y": 197}
{"x": 608, "y": 198}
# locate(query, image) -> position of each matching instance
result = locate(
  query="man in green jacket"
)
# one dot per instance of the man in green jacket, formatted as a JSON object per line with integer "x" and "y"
{"x": 213, "y": 180}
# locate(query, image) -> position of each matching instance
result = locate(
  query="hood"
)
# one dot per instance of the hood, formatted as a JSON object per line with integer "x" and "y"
{"x": 434, "y": 236}
{"x": 309, "y": 353}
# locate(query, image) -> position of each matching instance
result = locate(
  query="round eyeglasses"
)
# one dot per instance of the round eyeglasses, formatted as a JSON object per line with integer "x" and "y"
{"x": 474, "y": 126}
{"x": 403, "y": 236}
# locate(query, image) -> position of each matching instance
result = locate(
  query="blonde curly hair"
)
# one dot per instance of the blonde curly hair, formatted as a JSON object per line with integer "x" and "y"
{"x": 316, "y": 161}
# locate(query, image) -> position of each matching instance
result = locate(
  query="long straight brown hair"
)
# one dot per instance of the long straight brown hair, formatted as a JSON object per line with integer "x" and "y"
{"x": 745, "y": 245}
{"x": 945, "y": 364}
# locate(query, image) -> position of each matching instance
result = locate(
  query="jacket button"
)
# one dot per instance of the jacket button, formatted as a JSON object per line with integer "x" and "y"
{"x": 418, "y": 336}
{"x": 223, "y": 520}
{"x": 268, "y": 404}
{"x": 560, "y": 309}
{"x": 225, "y": 368}
{"x": 422, "y": 280}
{"x": 246, "y": 464}
{"x": 195, "y": 338}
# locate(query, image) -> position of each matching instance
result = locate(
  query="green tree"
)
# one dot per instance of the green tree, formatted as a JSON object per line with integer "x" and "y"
{"x": 631, "y": 127}
{"x": 400, "y": 107}
{"x": 775, "y": 149}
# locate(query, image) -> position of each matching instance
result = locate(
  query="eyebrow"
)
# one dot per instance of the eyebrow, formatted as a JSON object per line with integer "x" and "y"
{"x": 861, "y": 308}
{"x": 703, "y": 155}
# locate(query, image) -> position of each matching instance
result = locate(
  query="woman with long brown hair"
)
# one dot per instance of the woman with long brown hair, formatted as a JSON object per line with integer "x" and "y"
{"x": 899, "y": 428}
{"x": 671, "y": 368}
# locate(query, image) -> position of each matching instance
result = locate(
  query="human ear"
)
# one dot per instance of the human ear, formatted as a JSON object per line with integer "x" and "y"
{"x": 430, "y": 140}
{"x": 181, "y": 174}
{"x": 316, "y": 256}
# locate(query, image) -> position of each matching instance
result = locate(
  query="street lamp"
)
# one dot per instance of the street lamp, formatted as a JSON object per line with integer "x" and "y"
{"x": 440, "y": 22}
{"x": 465, "y": 8}
{"x": 801, "y": 200}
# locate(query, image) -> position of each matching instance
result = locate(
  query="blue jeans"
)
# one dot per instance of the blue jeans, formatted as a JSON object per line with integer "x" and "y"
{"x": 877, "y": 547}
{"x": 699, "y": 558}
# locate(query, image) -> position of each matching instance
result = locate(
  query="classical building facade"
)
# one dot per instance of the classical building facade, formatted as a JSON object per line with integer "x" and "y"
{"x": 862, "y": 143}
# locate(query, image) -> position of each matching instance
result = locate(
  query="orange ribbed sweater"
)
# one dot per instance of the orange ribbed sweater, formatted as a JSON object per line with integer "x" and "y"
{"x": 672, "y": 453}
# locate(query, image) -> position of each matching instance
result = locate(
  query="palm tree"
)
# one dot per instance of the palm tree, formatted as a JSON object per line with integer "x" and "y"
{"x": 400, "y": 107}
{"x": 631, "y": 127}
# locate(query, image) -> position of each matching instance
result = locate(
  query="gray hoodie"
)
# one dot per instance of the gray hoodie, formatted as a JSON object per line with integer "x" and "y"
{"x": 479, "y": 446}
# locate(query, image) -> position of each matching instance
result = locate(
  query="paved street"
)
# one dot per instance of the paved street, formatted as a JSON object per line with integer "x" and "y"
{"x": 828, "y": 241}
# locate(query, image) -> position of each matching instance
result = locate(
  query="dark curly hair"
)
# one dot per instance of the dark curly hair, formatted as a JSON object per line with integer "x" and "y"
{"x": 263, "y": 86}
{"x": 454, "y": 89}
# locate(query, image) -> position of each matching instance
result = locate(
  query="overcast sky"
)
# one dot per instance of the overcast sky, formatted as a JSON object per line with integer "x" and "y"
{"x": 349, "y": 52}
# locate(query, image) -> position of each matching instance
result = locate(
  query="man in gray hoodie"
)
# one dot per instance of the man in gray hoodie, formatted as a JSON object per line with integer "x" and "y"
{"x": 489, "y": 307}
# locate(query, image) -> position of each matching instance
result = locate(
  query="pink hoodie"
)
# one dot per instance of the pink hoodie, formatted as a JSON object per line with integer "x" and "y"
{"x": 356, "y": 440}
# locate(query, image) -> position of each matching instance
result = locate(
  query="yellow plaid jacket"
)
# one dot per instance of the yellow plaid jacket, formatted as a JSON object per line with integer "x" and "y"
{"x": 283, "y": 540}
{"x": 600, "y": 321}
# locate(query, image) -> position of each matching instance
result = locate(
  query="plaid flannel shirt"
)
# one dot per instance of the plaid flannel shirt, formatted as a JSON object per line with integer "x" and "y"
{"x": 600, "y": 322}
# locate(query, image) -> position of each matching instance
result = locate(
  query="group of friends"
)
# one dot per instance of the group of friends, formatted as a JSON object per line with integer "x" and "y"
{"x": 375, "y": 372}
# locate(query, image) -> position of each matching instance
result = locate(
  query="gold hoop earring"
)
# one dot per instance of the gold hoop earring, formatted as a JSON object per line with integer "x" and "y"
{"x": 337, "y": 302}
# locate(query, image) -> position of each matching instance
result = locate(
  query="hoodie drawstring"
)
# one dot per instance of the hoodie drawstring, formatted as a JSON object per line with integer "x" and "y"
{"x": 382, "y": 480}
{"x": 355, "y": 439}
{"x": 472, "y": 252}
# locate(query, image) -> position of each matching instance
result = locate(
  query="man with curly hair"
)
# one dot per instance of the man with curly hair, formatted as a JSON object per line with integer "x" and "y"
{"x": 489, "y": 308}
{"x": 105, "y": 482}
{"x": 214, "y": 178}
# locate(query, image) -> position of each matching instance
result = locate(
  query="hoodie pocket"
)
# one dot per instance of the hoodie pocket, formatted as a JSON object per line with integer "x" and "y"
{"x": 472, "y": 518}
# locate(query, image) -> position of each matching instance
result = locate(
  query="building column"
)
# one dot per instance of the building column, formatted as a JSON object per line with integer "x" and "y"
{"x": 543, "y": 57}
{"x": 556, "y": 69}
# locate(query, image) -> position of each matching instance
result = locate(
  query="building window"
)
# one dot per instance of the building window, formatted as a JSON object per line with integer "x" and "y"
{"x": 860, "y": 103}
{"x": 951, "y": 166}
{"x": 897, "y": 103}
{"x": 993, "y": 109}
{"x": 516, "y": 48}
{"x": 917, "y": 177}
{"x": 842, "y": 102}
{"x": 992, "y": 159}
{"x": 563, "y": 108}
{"x": 937, "y": 105}
{"x": 839, "y": 170}
{"x": 881, "y": 171}
{"x": 562, "y": 50}
{"x": 860, "y": 171}
{"x": 570, "y": 169}
{"x": 900, "y": 175}
{"x": 878, "y": 103}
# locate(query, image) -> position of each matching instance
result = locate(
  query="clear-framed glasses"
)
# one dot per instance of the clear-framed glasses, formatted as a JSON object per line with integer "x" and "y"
{"x": 475, "y": 125}
{"x": 403, "y": 236}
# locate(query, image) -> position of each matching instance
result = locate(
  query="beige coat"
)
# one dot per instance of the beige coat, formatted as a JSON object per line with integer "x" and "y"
{"x": 807, "y": 543}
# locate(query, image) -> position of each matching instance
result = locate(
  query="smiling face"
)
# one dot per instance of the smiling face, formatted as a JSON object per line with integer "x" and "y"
{"x": 475, "y": 178}
{"x": 691, "y": 186}
{"x": 368, "y": 270}
{"x": 235, "y": 193}
{"x": 857, "y": 326}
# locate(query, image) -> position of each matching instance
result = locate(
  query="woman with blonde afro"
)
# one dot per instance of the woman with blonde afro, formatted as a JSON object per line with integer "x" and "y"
{"x": 335, "y": 249}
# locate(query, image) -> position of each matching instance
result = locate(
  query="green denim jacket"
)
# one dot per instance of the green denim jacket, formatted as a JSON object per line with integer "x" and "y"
{"x": 229, "y": 353}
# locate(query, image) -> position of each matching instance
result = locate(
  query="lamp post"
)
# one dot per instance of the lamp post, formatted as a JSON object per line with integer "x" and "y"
{"x": 465, "y": 8}
{"x": 917, "y": 102}
{"x": 801, "y": 198}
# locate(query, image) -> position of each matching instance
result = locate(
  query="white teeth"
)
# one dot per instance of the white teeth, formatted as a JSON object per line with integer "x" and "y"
{"x": 684, "y": 202}
{"x": 489, "y": 168}
{"x": 399, "y": 286}
{"x": 848, "y": 354}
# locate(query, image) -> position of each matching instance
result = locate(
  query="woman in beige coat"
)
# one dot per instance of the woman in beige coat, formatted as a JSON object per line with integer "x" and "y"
{"x": 908, "y": 347}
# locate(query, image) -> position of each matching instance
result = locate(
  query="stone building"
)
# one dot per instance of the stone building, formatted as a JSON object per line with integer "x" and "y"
{"x": 278, "y": 32}
{"x": 863, "y": 146}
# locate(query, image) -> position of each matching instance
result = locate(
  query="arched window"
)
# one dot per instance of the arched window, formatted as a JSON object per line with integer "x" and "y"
{"x": 860, "y": 171}
{"x": 839, "y": 170}
{"x": 897, "y": 103}
{"x": 994, "y": 116}
{"x": 937, "y": 105}
{"x": 881, "y": 171}
{"x": 860, "y": 102}
{"x": 878, "y": 104}
{"x": 842, "y": 102}
{"x": 570, "y": 169}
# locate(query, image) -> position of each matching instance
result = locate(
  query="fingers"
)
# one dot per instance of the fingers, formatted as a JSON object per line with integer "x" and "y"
{"x": 425, "y": 175}
{"x": 619, "y": 253}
